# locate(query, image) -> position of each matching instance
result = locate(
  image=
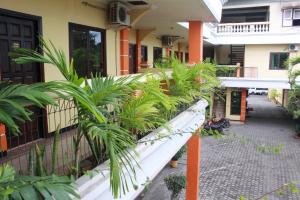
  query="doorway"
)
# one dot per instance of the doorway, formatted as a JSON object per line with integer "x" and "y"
{"x": 21, "y": 30}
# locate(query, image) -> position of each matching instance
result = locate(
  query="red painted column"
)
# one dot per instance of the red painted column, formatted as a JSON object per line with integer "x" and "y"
{"x": 3, "y": 139}
{"x": 243, "y": 105}
{"x": 138, "y": 51}
{"x": 124, "y": 51}
{"x": 194, "y": 143}
{"x": 195, "y": 42}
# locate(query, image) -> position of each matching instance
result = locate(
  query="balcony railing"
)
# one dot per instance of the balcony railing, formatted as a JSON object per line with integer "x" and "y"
{"x": 236, "y": 71}
{"x": 251, "y": 27}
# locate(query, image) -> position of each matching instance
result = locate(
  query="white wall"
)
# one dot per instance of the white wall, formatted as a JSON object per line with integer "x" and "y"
{"x": 259, "y": 56}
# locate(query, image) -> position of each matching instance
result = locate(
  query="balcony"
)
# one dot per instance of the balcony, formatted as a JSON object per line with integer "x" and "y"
{"x": 241, "y": 28}
{"x": 236, "y": 71}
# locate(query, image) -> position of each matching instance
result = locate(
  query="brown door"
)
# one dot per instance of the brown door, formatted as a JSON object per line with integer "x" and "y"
{"x": 17, "y": 32}
{"x": 132, "y": 59}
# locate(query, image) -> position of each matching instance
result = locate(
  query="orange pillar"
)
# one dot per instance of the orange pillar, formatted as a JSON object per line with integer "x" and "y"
{"x": 194, "y": 143}
{"x": 124, "y": 51}
{"x": 3, "y": 140}
{"x": 138, "y": 51}
{"x": 243, "y": 105}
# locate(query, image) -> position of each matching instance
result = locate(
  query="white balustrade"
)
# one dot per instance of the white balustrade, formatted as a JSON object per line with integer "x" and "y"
{"x": 251, "y": 27}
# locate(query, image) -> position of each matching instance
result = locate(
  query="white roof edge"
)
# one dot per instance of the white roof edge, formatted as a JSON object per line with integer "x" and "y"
{"x": 215, "y": 7}
{"x": 234, "y": 82}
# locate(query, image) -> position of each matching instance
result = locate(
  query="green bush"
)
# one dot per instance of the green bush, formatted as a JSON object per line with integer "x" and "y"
{"x": 175, "y": 184}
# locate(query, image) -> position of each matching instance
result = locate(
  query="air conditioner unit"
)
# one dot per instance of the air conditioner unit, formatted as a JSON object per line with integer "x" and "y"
{"x": 167, "y": 41}
{"x": 293, "y": 47}
{"x": 118, "y": 14}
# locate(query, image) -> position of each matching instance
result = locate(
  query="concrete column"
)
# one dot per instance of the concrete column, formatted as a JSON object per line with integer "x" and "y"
{"x": 138, "y": 51}
{"x": 243, "y": 105}
{"x": 124, "y": 51}
{"x": 179, "y": 51}
{"x": 194, "y": 143}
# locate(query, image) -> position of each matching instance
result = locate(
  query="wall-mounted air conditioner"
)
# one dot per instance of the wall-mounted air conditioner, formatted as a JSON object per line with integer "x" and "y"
{"x": 118, "y": 14}
{"x": 293, "y": 47}
{"x": 167, "y": 41}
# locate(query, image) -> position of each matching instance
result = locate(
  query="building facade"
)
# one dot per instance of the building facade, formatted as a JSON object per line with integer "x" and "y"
{"x": 258, "y": 36}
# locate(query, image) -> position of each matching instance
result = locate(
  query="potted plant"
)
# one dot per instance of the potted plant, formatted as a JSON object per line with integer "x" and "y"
{"x": 175, "y": 183}
{"x": 174, "y": 160}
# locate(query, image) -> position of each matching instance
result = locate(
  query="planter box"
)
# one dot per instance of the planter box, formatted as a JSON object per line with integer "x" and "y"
{"x": 152, "y": 157}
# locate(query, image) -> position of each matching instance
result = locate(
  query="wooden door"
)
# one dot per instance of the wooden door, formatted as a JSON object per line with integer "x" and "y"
{"x": 17, "y": 32}
{"x": 132, "y": 59}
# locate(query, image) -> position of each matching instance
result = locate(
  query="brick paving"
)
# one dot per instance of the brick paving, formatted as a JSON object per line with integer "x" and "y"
{"x": 234, "y": 166}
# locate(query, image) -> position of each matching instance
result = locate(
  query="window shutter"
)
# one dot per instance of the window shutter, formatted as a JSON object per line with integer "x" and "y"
{"x": 287, "y": 17}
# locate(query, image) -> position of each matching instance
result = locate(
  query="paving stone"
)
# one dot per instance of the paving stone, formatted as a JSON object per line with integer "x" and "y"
{"x": 233, "y": 166}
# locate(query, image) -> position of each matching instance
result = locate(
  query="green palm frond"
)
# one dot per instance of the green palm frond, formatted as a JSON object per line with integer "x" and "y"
{"x": 90, "y": 99}
{"x": 140, "y": 114}
{"x": 15, "y": 99}
{"x": 33, "y": 187}
{"x": 118, "y": 143}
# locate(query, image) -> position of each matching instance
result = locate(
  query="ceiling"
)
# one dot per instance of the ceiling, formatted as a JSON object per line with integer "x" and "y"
{"x": 163, "y": 15}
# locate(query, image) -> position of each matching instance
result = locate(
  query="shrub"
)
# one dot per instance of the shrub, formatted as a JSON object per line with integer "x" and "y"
{"x": 175, "y": 184}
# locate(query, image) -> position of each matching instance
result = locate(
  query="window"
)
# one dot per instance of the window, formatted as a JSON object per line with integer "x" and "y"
{"x": 144, "y": 52}
{"x": 277, "y": 60}
{"x": 291, "y": 17}
{"x": 157, "y": 55}
{"x": 186, "y": 58}
{"x": 87, "y": 48}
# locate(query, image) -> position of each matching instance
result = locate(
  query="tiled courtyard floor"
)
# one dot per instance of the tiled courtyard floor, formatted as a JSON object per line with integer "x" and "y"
{"x": 244, "y": 162}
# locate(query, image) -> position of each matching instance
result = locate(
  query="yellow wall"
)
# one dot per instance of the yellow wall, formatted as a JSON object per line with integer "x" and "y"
{"x": 152, "y": 41}
{"x": 56, "y": 14}
{"x": 259, "y": 56}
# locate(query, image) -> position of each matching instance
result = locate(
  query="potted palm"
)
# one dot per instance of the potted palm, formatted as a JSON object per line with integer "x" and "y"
{"x": 175, "y": 183}
{"x": 176, "y": 157}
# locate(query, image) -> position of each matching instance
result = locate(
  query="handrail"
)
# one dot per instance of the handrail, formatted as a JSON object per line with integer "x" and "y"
{"x": 249, "y": 27}
{"x": 243, "y": 23}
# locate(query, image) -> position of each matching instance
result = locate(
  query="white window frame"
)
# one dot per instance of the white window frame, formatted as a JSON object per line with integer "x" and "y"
{"x": 287, "y": 21}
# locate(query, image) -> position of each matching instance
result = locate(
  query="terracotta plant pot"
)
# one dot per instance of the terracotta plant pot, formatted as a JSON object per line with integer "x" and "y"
{"x": 138, "y": 93}
{"x": 197, "y": 79}
{"x": 174, "y": 163}
{"x": 164, "y": 86}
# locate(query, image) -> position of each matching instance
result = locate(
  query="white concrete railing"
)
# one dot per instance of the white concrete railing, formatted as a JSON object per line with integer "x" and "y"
{"x": 251, "y": 27}
{"x": 152, "y": 157}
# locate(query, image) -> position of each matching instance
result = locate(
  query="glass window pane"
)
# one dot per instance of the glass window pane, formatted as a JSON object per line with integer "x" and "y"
{"x": 87, "y": 50}
{"x": 282, "y": 59}
{"x": 287, "y": 13}
{"x": 96, "y": 54}
{"x": 80, "y": 52}
{"x": 296, "y": 14}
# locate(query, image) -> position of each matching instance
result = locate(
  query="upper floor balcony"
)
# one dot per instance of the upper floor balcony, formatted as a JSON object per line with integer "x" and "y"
{"x": 247, "y": 27}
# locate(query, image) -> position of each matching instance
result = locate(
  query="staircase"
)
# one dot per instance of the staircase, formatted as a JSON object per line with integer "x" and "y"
{"x": 237, "y": 54}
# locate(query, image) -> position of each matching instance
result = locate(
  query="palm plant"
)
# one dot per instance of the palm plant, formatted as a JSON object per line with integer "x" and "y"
{"x": 15, "y": 99}
{"x": 294, "y": 94}
{"x": 33, "y": 187}
{"x": 92, "y": 123}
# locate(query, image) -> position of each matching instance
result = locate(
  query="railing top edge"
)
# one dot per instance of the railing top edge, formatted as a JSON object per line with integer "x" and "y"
{"x": 243, "y": 23}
